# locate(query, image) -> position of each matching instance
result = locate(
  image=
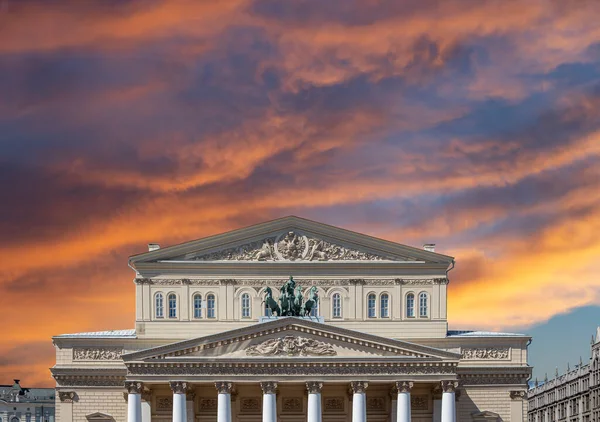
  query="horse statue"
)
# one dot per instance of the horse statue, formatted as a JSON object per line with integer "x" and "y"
{"x": 311, "y": 302}
{"x": 298, "y": 299}
{"x": 271, "y": 303}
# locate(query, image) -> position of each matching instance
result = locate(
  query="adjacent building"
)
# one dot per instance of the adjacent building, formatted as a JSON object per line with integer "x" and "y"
{"x": 19, "y": 404}
{"x": 572, "y": 397}
{"x": 207, "y": 346}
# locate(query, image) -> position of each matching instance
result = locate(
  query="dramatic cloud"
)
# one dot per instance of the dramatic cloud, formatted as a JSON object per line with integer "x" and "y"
{"x": 474, "y": 125}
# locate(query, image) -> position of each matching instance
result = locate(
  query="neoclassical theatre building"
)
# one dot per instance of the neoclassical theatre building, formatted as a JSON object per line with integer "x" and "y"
{"x": 207, "y": 347}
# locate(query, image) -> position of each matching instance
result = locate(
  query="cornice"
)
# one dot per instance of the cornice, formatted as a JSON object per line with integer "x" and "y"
{"x": 323, "y": 282}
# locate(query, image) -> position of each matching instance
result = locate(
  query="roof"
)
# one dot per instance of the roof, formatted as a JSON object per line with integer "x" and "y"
{"x": 463, "y": 333}
{"x": 101, "y": 334}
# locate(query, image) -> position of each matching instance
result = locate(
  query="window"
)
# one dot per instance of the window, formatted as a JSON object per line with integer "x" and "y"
{"x": 423, "y": 304}
{"x": 315, "y": 310}
{"x": 245, "y": 305}
{"x": 172, "y": 306}
{"x": 410, "y": 305}
{"x": 336, "y": 305}
{"x": 210, "y": 306}
{"x": 268, "y": 311}
{"x": 197, "y": 306}
{"x": 371, "y": 305}
{"x": 384, "y": 310}
{"x": 159, "y": 308}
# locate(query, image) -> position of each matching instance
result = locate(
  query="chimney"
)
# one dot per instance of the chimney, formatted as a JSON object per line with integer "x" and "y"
{"x": 153, "y": 247}
{"x": 429, "y": 247}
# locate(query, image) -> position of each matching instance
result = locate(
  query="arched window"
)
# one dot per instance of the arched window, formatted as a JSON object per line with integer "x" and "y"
{"x": 172, "y": 305}
{"x": 384, "y": 309}
{"x": 423, "y": 304}
{"x": 336, "y": 305}
{"x": 410, "y": 305}
{"x": 210, "y": 306}
{"x": 197, "y": 306}
{"x": 315, "y": 311}
{"x": 268, "y": 311}
{"x": 245, "y": 305}
{"x": 371, "y": 306}
{"x": 159, "y": 309}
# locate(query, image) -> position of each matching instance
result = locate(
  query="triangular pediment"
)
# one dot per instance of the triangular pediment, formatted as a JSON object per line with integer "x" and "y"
{"x": 290, "y": 338}
{"x": 290, "y": 239}
{"x": 98, "y": 416}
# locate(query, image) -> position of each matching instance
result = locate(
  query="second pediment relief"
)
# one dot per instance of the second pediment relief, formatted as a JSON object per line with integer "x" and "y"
{"x": 291, "y": 346}
{"x": 291, "y": 246}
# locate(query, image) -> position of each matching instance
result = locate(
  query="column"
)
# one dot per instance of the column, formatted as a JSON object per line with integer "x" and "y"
{"x": 146, "y": 405}
{"x": 403, "y": 412}
{"x": 449, "y": 401}
{"x": 224, "y": 401}
{"x": 66, "y": 405}
{"x": 179, "y": 407}
{"x": 437, "y": 403}
{"x": 359, "y": 401}
{"x": 134, "y": 401}
{"x": 314, "y": 413}
{"x": 517, "y": 403}
{"x": 269, "y": 411}
{"x": 190, "y": 410}
{"x": 394, "y": 400}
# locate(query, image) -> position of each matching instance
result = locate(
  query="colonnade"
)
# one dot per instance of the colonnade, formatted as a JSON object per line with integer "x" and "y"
{"x": 402, "y": 410}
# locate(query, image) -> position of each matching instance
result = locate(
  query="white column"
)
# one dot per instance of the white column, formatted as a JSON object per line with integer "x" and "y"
{"x": 314, "y": 413}
{"x": 224, "y": 401}
{"x": 403, "y": 412}
{"x": 179, "y": 407}
{"x": 146, "y": 406}
{"x": 449, "y": 401}
{"x": 66, "y": 405}
{"x": 359, "y": 401}
{"x": 134, "y": 401}
{"x": 269, "y": 389}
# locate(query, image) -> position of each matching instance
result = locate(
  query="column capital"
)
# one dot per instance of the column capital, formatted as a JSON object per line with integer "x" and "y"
{"x": 359, "y": 386}
{"x": 178, "y": 387}
{"x": 518, "y": 394}
{"x": 134, "y": 387}
{"x": 224, "y": 387}
{"x": 449, "y": 386}
{"x": 404, "y": 386}
{"x": 314, "y": 387}
{"x": 269, "y": 387}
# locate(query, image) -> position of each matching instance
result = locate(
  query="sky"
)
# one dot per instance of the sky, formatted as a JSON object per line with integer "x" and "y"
{"x": 474, "y": 125}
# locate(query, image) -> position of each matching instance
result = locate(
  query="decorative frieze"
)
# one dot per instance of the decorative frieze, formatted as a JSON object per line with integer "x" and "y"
{"x": 291, "y": 346}
{"x": 375, "y": 404}
{"x": 333, "y": 404}
{"x": 164, "y": 403}
{"x": 485, "y": 353}
{"x": 89, "y": 381}
{"x": 250, "y": 404}
{"x": 67, "y": 396}
{"x": 97, "y": 353}
{"x": 494, "y": 379}
{"x": 208, "y": 404}
{"x": 359, "y": 387}
{"x": 212, "y": 282}
{"x": 291, "y": 405}
{"x": 419, "y": 402}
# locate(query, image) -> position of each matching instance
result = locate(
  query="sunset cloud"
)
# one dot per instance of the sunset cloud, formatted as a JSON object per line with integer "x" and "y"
{"x": 474, "y": 125}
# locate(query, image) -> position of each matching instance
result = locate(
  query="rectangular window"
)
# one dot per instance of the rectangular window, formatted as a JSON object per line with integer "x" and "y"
{"x": 384, "y": 311}
{"x": 337, "y": 306}
{"x": 371, "y": 306}
{"x": 410, "y": 305}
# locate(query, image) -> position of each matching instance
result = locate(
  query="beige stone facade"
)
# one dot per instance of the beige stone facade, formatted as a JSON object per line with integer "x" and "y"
{"x": 201, "y": 322}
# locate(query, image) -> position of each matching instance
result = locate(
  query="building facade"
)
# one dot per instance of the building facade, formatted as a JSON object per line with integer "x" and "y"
{"x": 572, "y": 397}
{"x": 19, "y": 404}
{"x": 376, "y": 346}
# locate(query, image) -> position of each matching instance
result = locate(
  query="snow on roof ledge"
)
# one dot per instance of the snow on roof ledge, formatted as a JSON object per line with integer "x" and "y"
{"x": 463, "y": 333}
{"x": 101, "y": 334}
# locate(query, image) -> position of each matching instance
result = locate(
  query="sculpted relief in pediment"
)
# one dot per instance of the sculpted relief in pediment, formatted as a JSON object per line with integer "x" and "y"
{"x": 291, "y": 346}
{"x": 289, "y": 246}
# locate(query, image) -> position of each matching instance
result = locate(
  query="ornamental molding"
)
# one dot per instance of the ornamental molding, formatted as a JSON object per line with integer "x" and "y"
{"x": 449, "y": 386}
{"x": 223, "y": 387}
{"x": 134, "y": 387}
{"x": 485, "y": 353}
{"x": 250, "y": 404}
{"x": 291, "y": 346}
{"x": 67, "y": 396}
{"x": 404, "y": 386}
{"x": 314, "y": 387}
{"x": 213, "y": 282}
{"x": 290, "y": 246}
{"x": 89, "y": 381}
{"x": 517, "y": 394}
{"x": 419, "y": 402}
{"x": 345, "y": 369}
{"x": 178, "y": 387}
{"x": 334, "y": 404}
{"x": 359, "y": 387}
{"x": 97, "y": 353}
{"x": 269, "y": 387}
{"x": 494, "y": 379}
{"x": 291, "y": 404}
